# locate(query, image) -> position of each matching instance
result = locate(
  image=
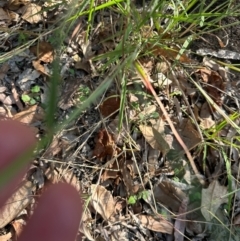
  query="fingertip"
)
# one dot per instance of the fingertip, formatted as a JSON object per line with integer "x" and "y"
{"x": 57, "y": 216}
{"x": 15, "y": 139}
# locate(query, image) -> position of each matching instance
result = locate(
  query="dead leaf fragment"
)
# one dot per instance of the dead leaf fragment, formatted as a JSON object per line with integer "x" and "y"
{"x": 212, "y": 199}
{"x": 16, "y": 203}
{"x": 109, "y": 106}
{"x": 30, "y": 115}
{"x": 3, "y": 15}
{"x": 154, "y": 138}
{"x": 102, "y": 201}
{"x": 39, "y": 67}
{"x": 105, "y": 145}
{"x": 31, "y": 13}
{"x": 3, "y": 70}
{"x": 215, "y": 84}
{"x": 63, "y": 175}
{"x": 154, "y": 224}
{"x": 44, "y": 51}
{"x": 169, "y": 195}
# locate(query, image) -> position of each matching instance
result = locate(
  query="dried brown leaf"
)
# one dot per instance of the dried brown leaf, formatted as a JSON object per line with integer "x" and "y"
{"x": 189, "y": 135}
{"x": 15, "y": 4}
{"x": 3, "y": 15}
{"x": 84, "y": 65}
{"x": 168, "y": 195}
{"x": 105, "y": 145}
{"x": 31, "y": 13}
{"x": 102, "y": 201}
{"x": 154, "y": 138}
{"x": 63, "y": 175}
{"x": 168, "y": 53}
{"x": 30, "y": 115}
{"x": 39, "y": 67}
{"x": 4, "y": 69}
{"x": 16, "y": 203}
{"x": 215, "y": 85}
{"x": 109, "y": 106}
{"x": 44, "y": 51}
{"x": 154, "y": 224}
{"x": 212, "y": 198}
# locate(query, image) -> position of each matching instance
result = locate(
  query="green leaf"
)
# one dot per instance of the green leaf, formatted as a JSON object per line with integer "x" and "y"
{"x": 26, "y": 98}
{"x": 35, "y": 89}
{"x": 144, "y": 195}
{"x": 32, "y": 101}
{"x": 132, "y": 200}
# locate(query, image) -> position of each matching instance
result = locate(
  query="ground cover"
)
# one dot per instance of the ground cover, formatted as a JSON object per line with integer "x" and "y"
{"x": 136, "y": 104}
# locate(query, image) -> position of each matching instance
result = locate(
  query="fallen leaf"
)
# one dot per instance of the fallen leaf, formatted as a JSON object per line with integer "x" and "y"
{"x": 156, "y": 224}
{"x": 109, "y": 106}
{"x": 189, "y": 134}
{"x": 30, "y": 115}
{"x": 16, "y": 203}
{"x": 169, "y": 53}
{"x": 180, "y": 224}
{"x": 169, "y": 195}
{"x": 44, "y": 51}
{"x": 84, "y": 65}
{"x": 63, "y": 175}
{"x": 102, "y": 201}
{"x": 214, "y": 86}
{"x": 3, "y": 15}
{"x": 155, "y": 137}
{"x": 39, "y": 67}
{"x": 15, "y": 4}
{"x": 31, "y": 13}
{"x": 105, "y": 145}
{"x": 112, "y": 171}
{"x": 212, "y": 199}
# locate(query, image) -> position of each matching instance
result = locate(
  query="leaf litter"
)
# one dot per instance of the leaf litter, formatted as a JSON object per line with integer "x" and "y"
{"x": 141, "y": 161}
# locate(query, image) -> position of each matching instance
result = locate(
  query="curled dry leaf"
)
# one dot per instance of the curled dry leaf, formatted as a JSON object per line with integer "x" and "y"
{"x": 31, "y": 13}
{"x": 105, "y": 145}
{"x": 102, "y": 201}
{"x": 44, "y": 51}
{"x": 16, "y": 203}
{"x": 39, "y": 67}
{"x": 156, "y": 224}
{"x": 212, "y": 198}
